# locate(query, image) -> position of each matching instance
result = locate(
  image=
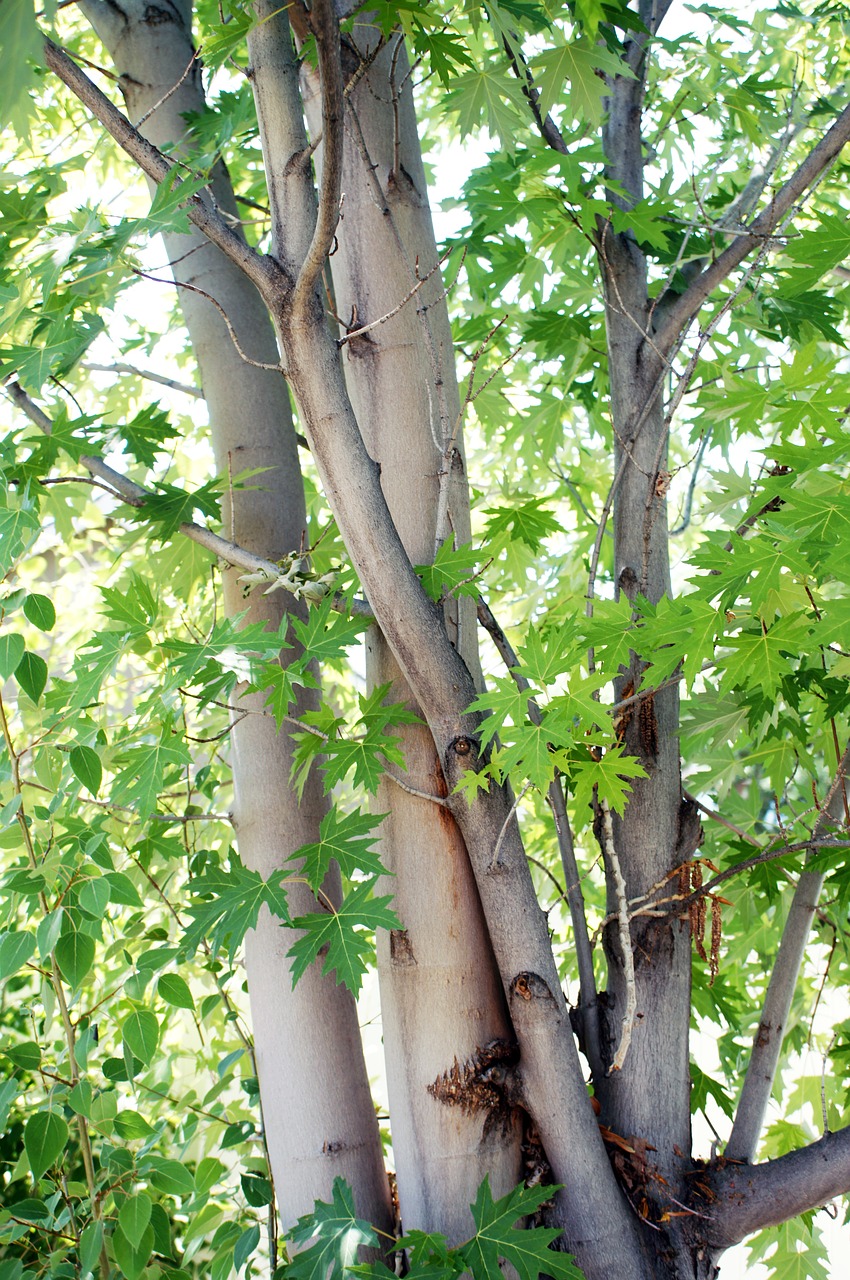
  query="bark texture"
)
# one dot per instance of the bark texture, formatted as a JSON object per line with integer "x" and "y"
{"x": 317, "y": 1108}
{"x": 441, "y": 998}
{"x": 649, "y": 1098}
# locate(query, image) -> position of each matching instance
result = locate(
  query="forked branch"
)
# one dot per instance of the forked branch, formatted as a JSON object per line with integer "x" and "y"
{"x": 680, "y": 312}
{"x": 748, "y": 1198}
{"x": 262, "y": 271}
{"x": 767, "y": 1046}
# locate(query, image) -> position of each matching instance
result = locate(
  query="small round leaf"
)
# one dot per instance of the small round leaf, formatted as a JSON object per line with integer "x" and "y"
{"x": 141, "y": 1034}
{"x": 44, "y": 1138}
{"x": 40, "y": 612}
{"x": 75, "y": 956}
{"x": 85, "y": 763}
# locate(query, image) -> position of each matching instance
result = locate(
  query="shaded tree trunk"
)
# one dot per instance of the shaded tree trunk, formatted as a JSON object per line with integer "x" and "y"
{"x": 317, "y": 1108}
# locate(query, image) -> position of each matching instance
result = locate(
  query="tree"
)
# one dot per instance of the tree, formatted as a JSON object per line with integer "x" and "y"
{"x": 646, "y": 293}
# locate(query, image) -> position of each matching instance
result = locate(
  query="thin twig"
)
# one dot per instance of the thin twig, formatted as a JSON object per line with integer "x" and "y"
{"x": 193, "y": 288}
{"x": 414, "y": 791}
{"x": 367, "y": 328}
{"x": 168, "y": 93}
{"x": 495, "y": 865}
{"x": 628, "y": 1019}
{"x": 148, "y": 375}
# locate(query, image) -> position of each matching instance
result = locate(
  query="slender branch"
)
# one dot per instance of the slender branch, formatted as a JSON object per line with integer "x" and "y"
{"x": 767, "y": 1045}
{"x": 682, "y": 310}
{"x": 549, "y": 131}
{"x": 136, "y": 496}
{"x": 193, "y": 288}
{"x": 367, "y": 328}
{"x": 414, "y": 791}
{"x": 148, "y": 375}
{"x": 325, "y": 27}
{"x": 264, "y": 272}
{"x": 572, "y": 877}
{"x": 746, "y": 1199}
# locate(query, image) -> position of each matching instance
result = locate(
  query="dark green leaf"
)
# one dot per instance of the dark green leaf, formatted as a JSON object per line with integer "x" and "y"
{"x": 45, "y": 1136}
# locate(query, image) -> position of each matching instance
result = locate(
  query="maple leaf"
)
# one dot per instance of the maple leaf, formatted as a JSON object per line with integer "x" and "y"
{"x": 328, "y": 1238}
{"x": 232, "y": 899}
{"x": 347, "y": 934}
{"x": 576, "y": 64}
{"x": 497, "y": 1237}
{"x": 345, "y": 840}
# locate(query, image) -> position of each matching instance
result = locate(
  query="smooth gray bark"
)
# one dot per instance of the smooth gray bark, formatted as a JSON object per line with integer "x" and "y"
{"x": 441, "y": 998}
{"x": 307, "y": 1041}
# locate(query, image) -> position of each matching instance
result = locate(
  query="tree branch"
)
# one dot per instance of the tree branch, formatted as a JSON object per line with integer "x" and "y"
{"x": 747, "y": 1198}
{"x": 136, "y": 496}
{"x": 325, "y": 27}
{"x": 767, "y": 1045}
{"x": 589, "y": 1008}
{"x": 149, "y": 375}
{"x": 262, "y": 271}
{"x": 679, "y": 314}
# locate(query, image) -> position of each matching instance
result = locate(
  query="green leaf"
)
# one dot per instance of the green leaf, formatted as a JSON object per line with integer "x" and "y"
{"x": 15, "y": 950}
{"x": 227, "y": 904}
{"x": 45, "y": 1136}
{"x": 91, "y": 1242}
{"x": 80, "y": 1098}
{"x": 94, "y": 897}
{"x": 245, "y": 1246}
{"x": 140, "y": 781}
{"x": 85, "y": 765}
{"x": 140, "y": 1032}
{"x": 327, "y": 1239}
{"x": 132, "y": 1259}
{"x": 488, "y": 97}
{"x": 497, "y": 1237}
{"x": 610, "y": 774}
{"x": 174, "y": 990}
{"x": 48, "y": 931}
{"x": 346, "y": 840}
{"x": 22, "y": 45}
{"x": 18, "y": 525}
{"x": 27, "y": 1055}
{"x": 257, "y": 1191}
{"x": 451, "y": 571}
{"x": 347, "y": 934}
{"x": 131, "y": 1126}
{"x": 11, "y": 652}
{"x": 576, "y": 64}
{"x": 170, "y": 1176}
{"x": 134, "y": 1216}
{"x": 528, "y": 522}
{"x": 31, "y": 675}
{"x": 75, "y": 953}
{"x": 40, "y": 612}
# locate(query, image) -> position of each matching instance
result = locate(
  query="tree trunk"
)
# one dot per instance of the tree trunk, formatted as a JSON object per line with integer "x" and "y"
{"x": 441, "y": 998}
{"x": 318, "y": 1114}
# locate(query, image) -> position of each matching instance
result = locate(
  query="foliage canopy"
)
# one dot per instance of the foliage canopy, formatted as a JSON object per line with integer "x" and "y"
{"x": 133, "y": 1136}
